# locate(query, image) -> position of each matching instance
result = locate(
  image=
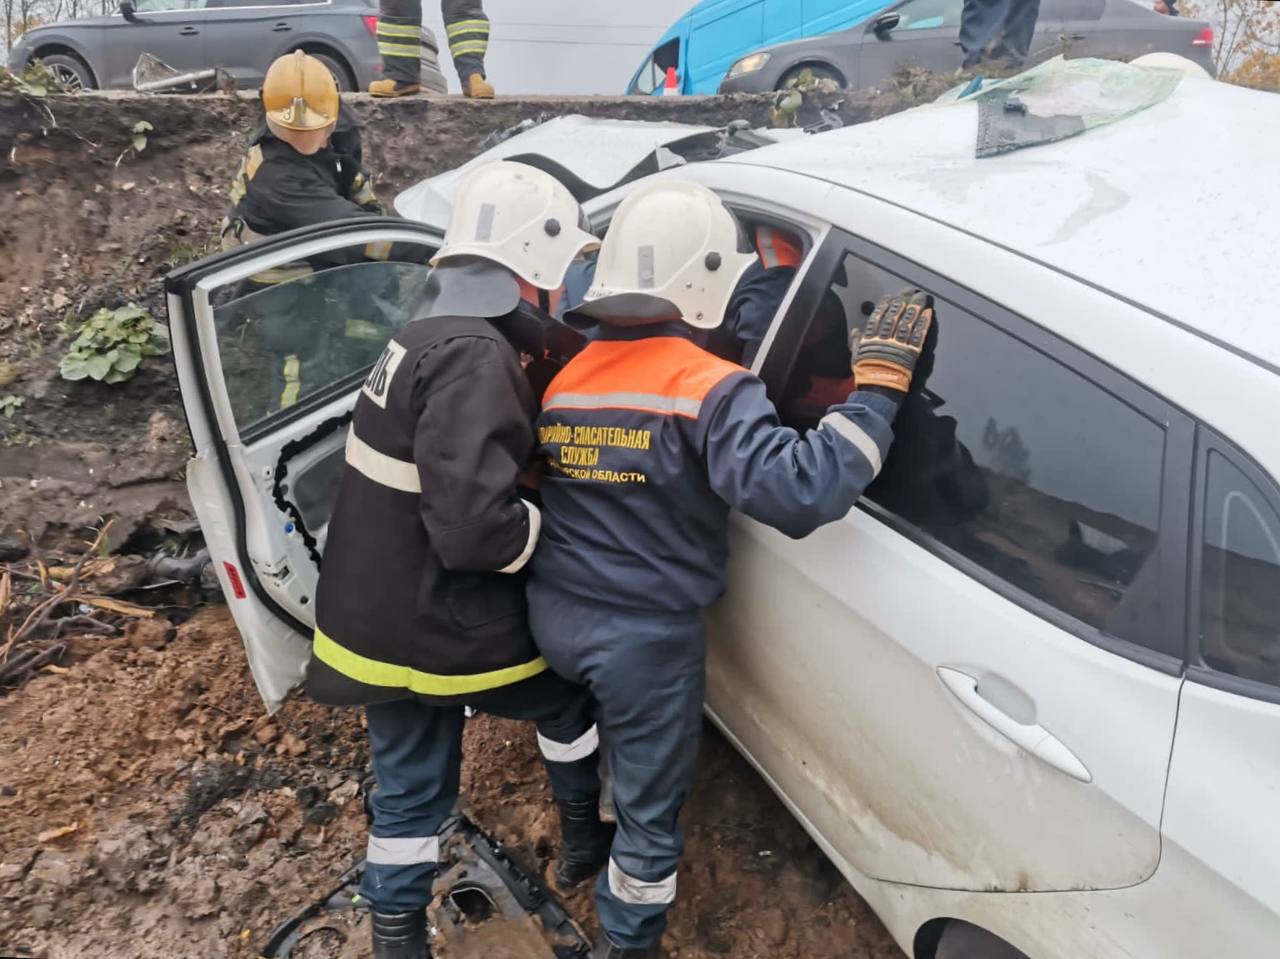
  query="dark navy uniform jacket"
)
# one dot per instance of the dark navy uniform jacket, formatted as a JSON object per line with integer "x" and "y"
{"x": 649, "y": 440}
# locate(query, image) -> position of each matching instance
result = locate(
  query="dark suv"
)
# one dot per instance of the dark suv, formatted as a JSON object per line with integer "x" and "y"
{"x": 240, "y": 36}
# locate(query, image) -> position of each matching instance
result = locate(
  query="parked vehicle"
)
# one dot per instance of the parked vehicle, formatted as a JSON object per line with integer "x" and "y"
{"x": 703, "y": 44}
{"x": 1026, "y": 696}
{"x": 925, "y": 34}
{"x": 241, "y": 37}
{"x": 568, "y": 47}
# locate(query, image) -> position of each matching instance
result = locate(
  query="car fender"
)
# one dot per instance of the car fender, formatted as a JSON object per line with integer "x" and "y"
{"x": 317, "y": 38}
{"x": 87, "y": 48}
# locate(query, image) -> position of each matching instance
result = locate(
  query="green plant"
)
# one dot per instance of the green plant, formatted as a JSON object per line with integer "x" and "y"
{"x": 10, "y": 404}
{"x": 36, "y": 80}
{"x": 111, "y": 344}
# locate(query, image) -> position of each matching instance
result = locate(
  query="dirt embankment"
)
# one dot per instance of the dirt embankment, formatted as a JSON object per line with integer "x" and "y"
{"x": 89, "y": 221}
{"x": 200, "y": 824}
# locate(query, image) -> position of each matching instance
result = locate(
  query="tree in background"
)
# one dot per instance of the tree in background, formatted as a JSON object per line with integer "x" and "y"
{"x": 1246, "y": 39}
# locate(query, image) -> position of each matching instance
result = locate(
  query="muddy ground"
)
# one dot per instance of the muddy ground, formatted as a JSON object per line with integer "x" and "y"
{"x": 200, "y": 824}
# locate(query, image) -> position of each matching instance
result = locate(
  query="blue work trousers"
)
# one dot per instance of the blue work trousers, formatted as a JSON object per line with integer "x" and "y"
{"x": 417, "y": 759}
{"x": 647, "y": 670}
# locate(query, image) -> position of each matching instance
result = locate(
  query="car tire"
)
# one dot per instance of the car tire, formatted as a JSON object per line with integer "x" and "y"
{"x": 961, "y": 940}
{"x": 339, "y": 70}
{"x": 71, "y": 71}
{"x": 818, "y": 71}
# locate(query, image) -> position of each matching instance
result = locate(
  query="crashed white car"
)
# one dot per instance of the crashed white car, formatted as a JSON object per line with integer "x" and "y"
{"x": 1027, "y": 695}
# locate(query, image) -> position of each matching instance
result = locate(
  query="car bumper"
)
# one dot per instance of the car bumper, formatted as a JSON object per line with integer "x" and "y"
{"x": 758, "y": 81}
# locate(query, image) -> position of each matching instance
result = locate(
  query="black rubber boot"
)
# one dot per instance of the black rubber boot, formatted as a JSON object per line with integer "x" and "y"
{"x": 607, "y": 950}
{"x": 400, "y": 935}
{"x": 584, "y": 844}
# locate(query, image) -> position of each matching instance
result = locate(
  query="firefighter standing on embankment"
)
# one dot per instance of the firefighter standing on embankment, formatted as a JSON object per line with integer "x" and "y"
{"x": 303, "y": 167}
{"x": 400, "y": 43}
{"x": 421, "y": 600}
{"x": 649, "y": 440}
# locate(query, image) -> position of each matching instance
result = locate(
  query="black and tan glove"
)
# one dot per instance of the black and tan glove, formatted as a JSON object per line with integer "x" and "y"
{"x": 886, "y": 353}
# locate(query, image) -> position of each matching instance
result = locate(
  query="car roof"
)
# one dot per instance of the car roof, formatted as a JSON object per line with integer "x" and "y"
{"x": 1176, "y": 208}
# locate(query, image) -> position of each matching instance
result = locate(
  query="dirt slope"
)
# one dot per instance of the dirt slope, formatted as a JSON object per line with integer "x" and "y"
{"x": 201, "y": 824}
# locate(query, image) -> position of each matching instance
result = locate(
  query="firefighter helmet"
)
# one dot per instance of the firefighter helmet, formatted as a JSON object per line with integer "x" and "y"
{"x": 299, "y": 93}
{"x": 520, "y": 217}
{"x": 673, "y": 252}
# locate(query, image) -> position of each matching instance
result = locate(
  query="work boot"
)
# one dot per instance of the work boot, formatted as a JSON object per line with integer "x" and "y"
{"x": 584, "y": 842}
{"x": 400, "y": 935}
{"x": 605, "y": 949}
{"x": 477, "y": 87}
{"x": 393, "y": 88}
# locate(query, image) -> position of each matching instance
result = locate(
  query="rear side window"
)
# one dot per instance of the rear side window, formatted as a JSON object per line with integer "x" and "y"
{"x": 1043, "y": 479}
{"x": 1239, "y": 576}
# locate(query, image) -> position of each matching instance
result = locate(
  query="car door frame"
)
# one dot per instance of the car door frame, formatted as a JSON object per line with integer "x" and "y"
{"x": 1175, "y": 485}
{"x": 777, "y": 360}
{"x": 210, "y": 421}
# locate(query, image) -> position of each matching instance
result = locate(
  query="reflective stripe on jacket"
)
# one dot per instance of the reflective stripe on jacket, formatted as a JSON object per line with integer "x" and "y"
{"x": 422, "y": 589}
{"x": 649, "y": 440}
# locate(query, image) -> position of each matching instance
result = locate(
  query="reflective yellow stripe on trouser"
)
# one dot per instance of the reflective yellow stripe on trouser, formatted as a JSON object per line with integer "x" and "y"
{"x": 373, "y": 672}
{"x": 469, "y": 39}
{"x": 292, "y": 381}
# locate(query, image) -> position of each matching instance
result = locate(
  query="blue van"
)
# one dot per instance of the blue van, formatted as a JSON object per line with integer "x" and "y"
{"x": 704, "y": 43}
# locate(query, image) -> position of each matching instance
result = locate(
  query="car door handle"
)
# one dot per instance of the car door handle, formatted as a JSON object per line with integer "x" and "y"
{"x": 1073, "y": 37}
{"x": 281, "y": 27}
{"x": 1031, "y": 737}
{"x": 188, "y": 32}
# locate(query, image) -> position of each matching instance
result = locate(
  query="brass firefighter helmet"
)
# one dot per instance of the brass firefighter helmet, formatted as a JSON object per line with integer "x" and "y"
{"x": 299, "y": 93}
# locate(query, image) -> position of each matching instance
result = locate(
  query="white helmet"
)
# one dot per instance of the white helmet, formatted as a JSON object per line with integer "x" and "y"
{"x": 520, "y": 217}
{"x": 674, "y": 251}
{"x": 1171, "y": 61}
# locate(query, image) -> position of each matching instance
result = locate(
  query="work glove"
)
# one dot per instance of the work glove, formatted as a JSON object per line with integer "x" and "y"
{"x": 886, "y": 353}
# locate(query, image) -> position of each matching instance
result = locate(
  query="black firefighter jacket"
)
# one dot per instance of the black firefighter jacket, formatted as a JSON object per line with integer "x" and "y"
{"x": 422, "y": 589}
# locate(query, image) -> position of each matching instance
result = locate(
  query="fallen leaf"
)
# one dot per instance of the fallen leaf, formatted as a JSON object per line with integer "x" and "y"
{"x": 6, "y": 590}
{"x": 119, "y": 606}
{"x": 49, "y": 835}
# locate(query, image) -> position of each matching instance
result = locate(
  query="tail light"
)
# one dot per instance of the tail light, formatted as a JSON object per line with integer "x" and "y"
{"x": 371, "y": 24}
{"x": 1204, "y": 38}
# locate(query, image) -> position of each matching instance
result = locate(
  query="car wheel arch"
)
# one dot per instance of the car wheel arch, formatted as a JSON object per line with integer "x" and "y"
{"x": 813, "y": 63}
{"x": 948, "y": 938}
{"x": 58, "y": 47}
{"x": 323, "y": 49}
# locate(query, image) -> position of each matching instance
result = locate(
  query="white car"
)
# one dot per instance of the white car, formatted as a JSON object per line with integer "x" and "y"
{"x": 1027, "y": 695}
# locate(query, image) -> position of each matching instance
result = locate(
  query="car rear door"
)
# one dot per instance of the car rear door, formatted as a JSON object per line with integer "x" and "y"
{"x": 971, "y": 681}
{"x": 244, "y": 36}
{"x": 172, "y": 31}
{"x": 1224, "y": 779}
{"x": 268, "y": 373}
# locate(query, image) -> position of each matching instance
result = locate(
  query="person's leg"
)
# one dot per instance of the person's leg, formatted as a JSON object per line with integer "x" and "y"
{"x": 979, "y": 23}
{"x": 467, "y": 28}
{"x": 400, "y": 45}
{"x": 417, "y": 759}
{"x": 569, "y": 742}
{"x": 1019, "y": 29}
{"x": 648, "y": 672}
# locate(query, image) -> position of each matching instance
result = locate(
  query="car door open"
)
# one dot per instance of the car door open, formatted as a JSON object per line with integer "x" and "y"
{"x": 271, "y": 343}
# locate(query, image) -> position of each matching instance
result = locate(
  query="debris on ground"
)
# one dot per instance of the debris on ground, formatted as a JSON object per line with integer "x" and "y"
{"x": 195, "y": 838}
{"x": 53, "y": 609}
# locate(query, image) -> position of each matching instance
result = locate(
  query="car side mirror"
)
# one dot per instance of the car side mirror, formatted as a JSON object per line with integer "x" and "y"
{"x": 884, "y": 24}
{"x": 128, "y": 12}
